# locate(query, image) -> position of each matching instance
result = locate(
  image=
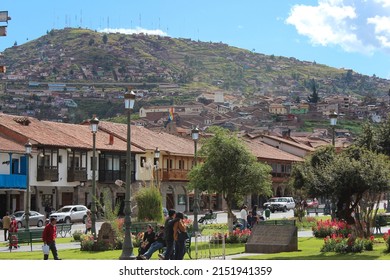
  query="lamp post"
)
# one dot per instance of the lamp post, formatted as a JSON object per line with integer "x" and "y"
{"x": 127, "y": 249}
{"x": 28, "y": 147}
{"x": 157, "y": 159}
{"x": 333, "y": 121}
{"x": 195, "y": 137}
{"x": 94, "y": 128}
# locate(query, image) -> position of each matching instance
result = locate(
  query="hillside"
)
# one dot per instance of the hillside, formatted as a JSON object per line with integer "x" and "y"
{"x": 84, "y": 56}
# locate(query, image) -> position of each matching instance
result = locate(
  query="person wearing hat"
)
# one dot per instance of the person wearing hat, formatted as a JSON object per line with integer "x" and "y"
{"x": 49, "y": 236}
{"x": 159, "y": 243}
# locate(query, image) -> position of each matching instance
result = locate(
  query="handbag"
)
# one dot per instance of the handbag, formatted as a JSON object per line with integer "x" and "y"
{"x": 45, "y": 249}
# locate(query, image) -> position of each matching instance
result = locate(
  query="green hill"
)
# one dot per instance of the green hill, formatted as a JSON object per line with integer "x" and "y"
{"x": 84, "y": 56}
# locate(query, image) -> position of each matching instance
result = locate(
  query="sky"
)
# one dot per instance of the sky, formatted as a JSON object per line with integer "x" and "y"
{"x": 339, "y": 33}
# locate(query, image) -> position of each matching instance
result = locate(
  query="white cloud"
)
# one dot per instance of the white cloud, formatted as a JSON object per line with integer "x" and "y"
{"x": 137, "y": 30}
{"x": 355, "y": 26}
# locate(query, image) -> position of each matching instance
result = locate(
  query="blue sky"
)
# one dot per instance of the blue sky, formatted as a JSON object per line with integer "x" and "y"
{"x": 339, "y": 33}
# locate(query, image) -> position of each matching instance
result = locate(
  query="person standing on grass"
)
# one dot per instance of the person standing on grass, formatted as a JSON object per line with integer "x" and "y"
{"x": 49, "y": 236}
{"x": 88, "y": 222}
{"x": 6, "y": 225}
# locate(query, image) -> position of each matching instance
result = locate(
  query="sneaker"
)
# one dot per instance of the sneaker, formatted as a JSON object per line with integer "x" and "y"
{"x": 161, "y": 256}
{"x": 142, "y": 257}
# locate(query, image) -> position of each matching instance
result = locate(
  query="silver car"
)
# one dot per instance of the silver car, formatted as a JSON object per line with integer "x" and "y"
{"x": 35, "y": 219}
{"x": 70, "y": 214}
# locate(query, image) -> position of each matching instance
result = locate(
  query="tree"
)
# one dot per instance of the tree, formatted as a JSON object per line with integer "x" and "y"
{"x": 384, "y": 137}
{"x": 229, "y": 169}
{"x": 313, "y": 98}
{"x": 105, "y": 38}
{"x": 353, "y": 179}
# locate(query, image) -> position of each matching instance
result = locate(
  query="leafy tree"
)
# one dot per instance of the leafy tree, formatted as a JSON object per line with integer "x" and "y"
{"x": 353, "y": 178}
{"x": 229, "y": 169}
{"x": 384, "y": 137}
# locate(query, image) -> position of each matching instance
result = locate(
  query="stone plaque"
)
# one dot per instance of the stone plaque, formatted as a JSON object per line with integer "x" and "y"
{"x": 272, "y": 239}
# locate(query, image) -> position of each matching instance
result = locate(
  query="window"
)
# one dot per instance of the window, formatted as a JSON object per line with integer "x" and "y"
{"x": 181, "y": 199}
{"x": 143, "y": 161}
{"x": 181, "y": 164}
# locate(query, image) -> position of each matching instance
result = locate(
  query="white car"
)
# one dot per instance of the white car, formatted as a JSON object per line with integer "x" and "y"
{"x": 280, "y": 204}
{"x": 70, "y": 214}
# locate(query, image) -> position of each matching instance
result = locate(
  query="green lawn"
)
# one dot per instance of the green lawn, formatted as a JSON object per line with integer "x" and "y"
{"x": 308, "y": 249}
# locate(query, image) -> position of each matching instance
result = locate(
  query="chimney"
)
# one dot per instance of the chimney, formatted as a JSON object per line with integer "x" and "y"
{"x": 111, "y": 140}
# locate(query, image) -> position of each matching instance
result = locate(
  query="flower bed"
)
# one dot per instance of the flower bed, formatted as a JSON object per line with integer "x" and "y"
{"x": 329, "y": 228}
{"x": 341, "y": 244}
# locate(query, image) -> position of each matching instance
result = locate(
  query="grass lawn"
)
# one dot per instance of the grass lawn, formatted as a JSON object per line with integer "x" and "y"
{"x": 309, "y": 249}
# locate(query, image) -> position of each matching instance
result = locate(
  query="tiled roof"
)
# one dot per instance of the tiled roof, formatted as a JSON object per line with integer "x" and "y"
{"x": 7, "y": 145}
{"x": 148, "y": 140}
{"x": 264, "y": 151}
{"x": 60, "y": 134}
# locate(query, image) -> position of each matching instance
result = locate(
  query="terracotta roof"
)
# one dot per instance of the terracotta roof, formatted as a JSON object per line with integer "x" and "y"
{"x": 60, "y": 134}
{"x": 264, "y": 151}
{"x": 148, "y": 140}
{"x": 8, "y": 145}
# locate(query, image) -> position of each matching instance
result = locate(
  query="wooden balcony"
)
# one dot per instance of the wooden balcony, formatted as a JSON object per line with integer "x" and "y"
{"x": 280, "y": 177}
{"x": 49, "y": 173}
{"x": 175, "y": 175}
{"x": 77, "y": 175}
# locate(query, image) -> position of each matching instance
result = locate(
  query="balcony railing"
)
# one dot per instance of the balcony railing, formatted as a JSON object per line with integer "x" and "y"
{"x": 49, "y": 173}
{"x": 78, "y": 174}
{"x": 12, "y": 181}
{"x": 175, "y": 175}
{"x": 110, "y": 176}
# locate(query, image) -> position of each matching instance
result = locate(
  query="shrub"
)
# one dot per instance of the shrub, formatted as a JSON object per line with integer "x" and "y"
{"x": 77, "y": 235}
{"x": 87, "y": 242}
{"x": 149, "y": 202}
{"x": 386, "y": 237}
{"x": 341, "y": 244}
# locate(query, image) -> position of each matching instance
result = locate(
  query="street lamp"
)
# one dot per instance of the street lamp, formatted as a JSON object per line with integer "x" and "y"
{"x": 127, "y": 249}
{"x": 94, "y": 128}
{"x": 28, "y": 147}
{"x": 157, "y": 159}
{"x": 195, "y": 137}
{"x": 333, "y": 121}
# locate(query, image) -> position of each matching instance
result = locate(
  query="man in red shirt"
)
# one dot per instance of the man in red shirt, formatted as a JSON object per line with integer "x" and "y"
{"x": 49, "y": 236}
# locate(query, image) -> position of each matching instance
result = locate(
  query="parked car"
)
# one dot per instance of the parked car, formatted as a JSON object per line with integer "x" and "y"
{"x": 70, "y": 214}
{"x": 280, "y": 204}
{"x": 311, "y": 203}
{"x": 35, "y": 219}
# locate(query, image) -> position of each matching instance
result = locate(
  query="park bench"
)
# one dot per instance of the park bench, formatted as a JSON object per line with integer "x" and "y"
{"x": 208, "y": 218}
{"x": 137, "y": 227}
{"x": 27, "y": 236}
{"x": 317, "y": 210}
{"x": 64, "y": 229}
